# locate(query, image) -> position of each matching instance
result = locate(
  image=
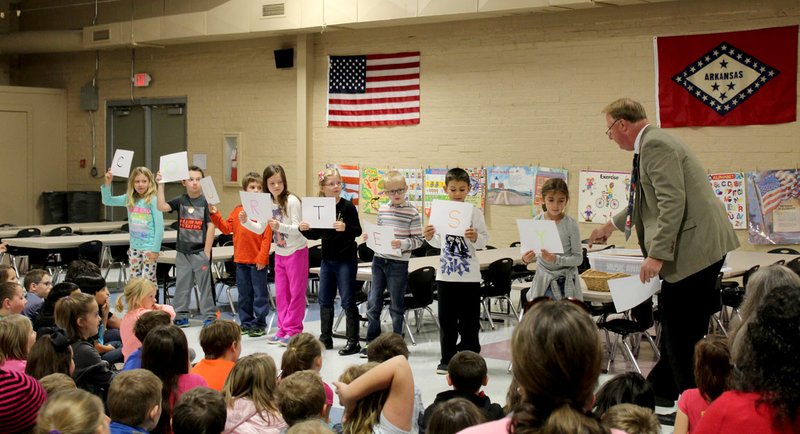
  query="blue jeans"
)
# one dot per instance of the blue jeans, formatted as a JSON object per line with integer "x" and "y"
{"x": 341, "y": 274}
{"x": 391, "y": 274}
{"x": 253, "y": 296}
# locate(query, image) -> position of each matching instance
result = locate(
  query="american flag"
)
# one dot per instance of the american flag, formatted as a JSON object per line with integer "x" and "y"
{"x": 776, "y": 187}
{"x": 373, "y": 90}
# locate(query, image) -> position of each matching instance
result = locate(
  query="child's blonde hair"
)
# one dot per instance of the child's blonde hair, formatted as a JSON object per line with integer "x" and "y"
{"x": 133, "y": 196}
{"x": 301, "y": 351}
{"x": 367, "y": 411}
{"x": 71, "y": 411}
{"x": 70, "y": 309}
{"x": 15, "y": 331}
{"x": 632, "y": 419}
{"x": 135, "y": 291}
{"x": 394, "y": 176}
{"x": 326, "y": 174}
{"x": 254, "y": 377}
{"x": 57, "y": 382}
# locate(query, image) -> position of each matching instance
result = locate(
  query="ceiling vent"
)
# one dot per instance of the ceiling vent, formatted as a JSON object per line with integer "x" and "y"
{"x": 273, "y": 10}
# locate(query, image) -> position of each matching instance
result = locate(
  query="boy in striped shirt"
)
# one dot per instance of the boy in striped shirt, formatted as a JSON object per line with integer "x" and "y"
{"x": 389, "y": 271}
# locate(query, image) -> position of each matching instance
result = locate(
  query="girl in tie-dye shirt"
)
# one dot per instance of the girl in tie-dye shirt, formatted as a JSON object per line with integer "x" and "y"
{"x": 145, "y": 221}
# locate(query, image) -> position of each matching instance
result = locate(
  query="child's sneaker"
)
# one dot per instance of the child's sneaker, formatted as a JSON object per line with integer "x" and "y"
{"x": 441, "y": 369}
{"x": 245, "y": 330}
{"x": 363, "y": 353}
{"x": 208, "y": 322}
{"x": 182, "y": 323}
{"x": 256, "y": 332}
{"x": 275, "y": 340}
{"x": 284, "y": 341}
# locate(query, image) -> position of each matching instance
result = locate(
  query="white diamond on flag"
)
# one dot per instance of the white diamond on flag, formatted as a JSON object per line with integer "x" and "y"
{"x": 723, "y": 77}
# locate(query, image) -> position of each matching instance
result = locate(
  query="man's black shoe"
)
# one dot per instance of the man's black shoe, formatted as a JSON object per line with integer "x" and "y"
{"x": 350, "y": 348}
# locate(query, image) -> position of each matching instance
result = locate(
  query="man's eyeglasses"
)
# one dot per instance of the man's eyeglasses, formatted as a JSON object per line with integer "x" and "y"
{"x": 608, "y": 131}
{"x": 529, "y": 305}
{"x": 395, "y": 192}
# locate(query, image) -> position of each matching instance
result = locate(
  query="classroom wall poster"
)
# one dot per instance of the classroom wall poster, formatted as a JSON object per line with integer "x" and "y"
{"x": 542, "y": 175}
{"x": 509, "y": 185}
{"x": 415, "y": 186}
{"x": 350, "y": 178}
{"x": 773, "y": 206}
{"x": 602, "y": 194}
{"x": 729, "y": 188}
{"x": 434, "y": 187}
{"x": 372, "y": 196}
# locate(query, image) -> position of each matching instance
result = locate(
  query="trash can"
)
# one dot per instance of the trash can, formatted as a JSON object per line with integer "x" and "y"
{"x": 83, "y": 206}
{"x": 55, "y": 207}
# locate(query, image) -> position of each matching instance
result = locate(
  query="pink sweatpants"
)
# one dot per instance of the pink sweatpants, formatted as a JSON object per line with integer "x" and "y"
{"x": 291, "y": 282}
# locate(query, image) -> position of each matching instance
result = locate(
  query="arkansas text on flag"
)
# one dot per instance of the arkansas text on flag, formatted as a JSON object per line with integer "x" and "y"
{"x": 373, "y": 90}
{"x": 736, "y": 78}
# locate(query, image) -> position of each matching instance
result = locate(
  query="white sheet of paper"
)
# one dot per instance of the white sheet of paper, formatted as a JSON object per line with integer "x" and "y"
{"x": 379, "y": 239}
{"x": 174, "y": 167}
{"x": 450, "y": 217}
{"x": 258, "y": 206}
{"x": 537, "y": 235}
{"x": 121, "y": 164}
{"x": 200, "y": 160}
{"x": 209, "y": 191}
{"x": 319, "y": 212}
{"x": 629, "y": 292}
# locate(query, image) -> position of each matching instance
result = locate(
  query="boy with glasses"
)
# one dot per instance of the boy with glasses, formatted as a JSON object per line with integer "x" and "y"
{"x": 390, "y": 271}
{"x": 38, "y": 283}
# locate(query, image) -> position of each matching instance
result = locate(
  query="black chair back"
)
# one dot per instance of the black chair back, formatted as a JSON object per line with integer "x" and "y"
{"x": 497, "y": 279}
{"x": 490, "y": 247}
{"x": 794, "y": 265}
{"x": 91, "y": 251}
{"x": 420, "y": 251}
{"x": 28, "y": 233}
{"x": 223, "y": 240}
{"x": 314, "y": 256}
{"x": 61, "y": 230}
{"x": 515, "y": 244}
{"x": 749, "y": 273}
{"x": 642, "y": 314}
{"x": 125, "y": 228}
{"x": 175, "y": 225}
{"x": 420, "y": 285}
{"x": 432, "y": 251}
{"x": 365, "y": 254}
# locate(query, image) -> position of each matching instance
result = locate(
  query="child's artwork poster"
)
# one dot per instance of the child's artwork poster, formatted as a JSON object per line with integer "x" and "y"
{"x": 350, "y": 178}
{"x": 415, "y": 186}
{"x": 509, "y": 185}
{"x": 602, "y": 194}
{"x": 773, "y": 206}
{"x": 729, "y": 188}
{"x": 434, "y": 187}
{"x": 372, "y": 196}
{"x": 542, "y": 175}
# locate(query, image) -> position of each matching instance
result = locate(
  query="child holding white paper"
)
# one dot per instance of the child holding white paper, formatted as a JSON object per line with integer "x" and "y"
{"x": 291, "y": 255}
{"x": 459, "y": 276}
{"x": 557, "y": 276}
{"x": 145, "y": 221}
{"x": 195, "y": 237}
{"x": 251, "y": 256}
{"x": 339, "y": 263}
{"x": 390, "y": 271}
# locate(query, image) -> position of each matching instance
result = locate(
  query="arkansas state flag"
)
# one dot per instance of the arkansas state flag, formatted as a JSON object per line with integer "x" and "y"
{"x": 737, "y": 78}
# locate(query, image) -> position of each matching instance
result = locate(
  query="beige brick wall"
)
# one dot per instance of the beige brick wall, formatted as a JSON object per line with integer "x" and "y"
{"x": 514, "y": 90}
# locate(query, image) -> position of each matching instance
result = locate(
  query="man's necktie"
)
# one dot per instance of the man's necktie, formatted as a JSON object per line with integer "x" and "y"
{"x": 634, "y": 180}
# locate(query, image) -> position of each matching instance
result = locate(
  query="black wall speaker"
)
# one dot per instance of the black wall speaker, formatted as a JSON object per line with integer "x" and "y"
{"x": 284, "y": 58}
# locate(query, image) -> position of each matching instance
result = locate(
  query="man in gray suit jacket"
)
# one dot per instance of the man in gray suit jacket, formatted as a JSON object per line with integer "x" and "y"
{"x": 683, "y": 231}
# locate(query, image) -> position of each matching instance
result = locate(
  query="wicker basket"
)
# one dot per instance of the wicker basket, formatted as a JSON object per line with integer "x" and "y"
{"x": 598, "y": 280}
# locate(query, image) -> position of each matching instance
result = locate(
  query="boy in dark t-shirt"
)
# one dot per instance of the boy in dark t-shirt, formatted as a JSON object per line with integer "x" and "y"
{"x": 195, "y": 237}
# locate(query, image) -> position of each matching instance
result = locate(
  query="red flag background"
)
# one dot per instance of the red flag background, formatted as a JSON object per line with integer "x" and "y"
{"x": 736, "y": 78}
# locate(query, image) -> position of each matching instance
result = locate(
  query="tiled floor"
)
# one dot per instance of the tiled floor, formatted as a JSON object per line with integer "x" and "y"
{"x": 424, "y": 355}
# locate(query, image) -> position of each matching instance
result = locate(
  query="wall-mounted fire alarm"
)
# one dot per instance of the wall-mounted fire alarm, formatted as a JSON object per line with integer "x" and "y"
{"x": 141, "y": 79}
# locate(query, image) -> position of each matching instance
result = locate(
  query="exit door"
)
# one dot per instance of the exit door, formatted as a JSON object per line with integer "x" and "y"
{"x": 150, "y": 128}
